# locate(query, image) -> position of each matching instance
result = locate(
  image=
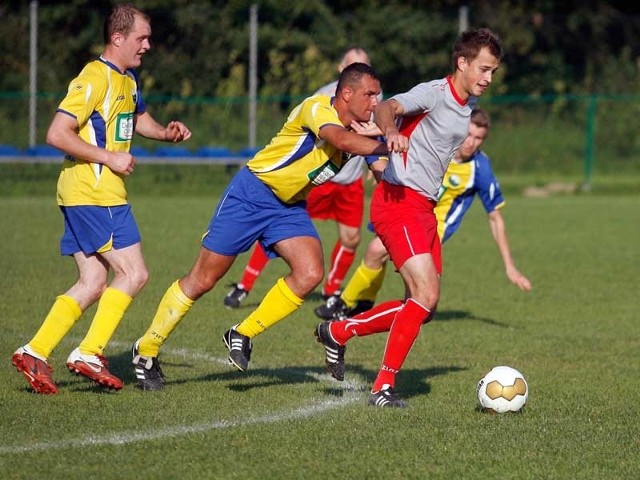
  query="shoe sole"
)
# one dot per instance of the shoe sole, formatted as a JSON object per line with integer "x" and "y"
{"x": 109, "y": 383}
{"x": 38, "y": 386}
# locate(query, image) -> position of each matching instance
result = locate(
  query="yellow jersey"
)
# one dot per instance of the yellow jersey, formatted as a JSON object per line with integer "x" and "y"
{"x": 296, "y": 159}
{"x": 104, "y": 101}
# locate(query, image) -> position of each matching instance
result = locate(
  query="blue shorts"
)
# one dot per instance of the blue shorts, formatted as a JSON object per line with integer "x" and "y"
{"x": 249, "y": 211}
{"x": 92, "y": 229}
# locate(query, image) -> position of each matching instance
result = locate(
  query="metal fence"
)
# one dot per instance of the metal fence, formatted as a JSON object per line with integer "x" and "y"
{"x": 572, "y": 134}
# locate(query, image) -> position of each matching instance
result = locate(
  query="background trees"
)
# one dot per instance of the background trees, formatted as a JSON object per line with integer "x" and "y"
{"x": 201, "y": 47}
{"x": 570, "y": 71}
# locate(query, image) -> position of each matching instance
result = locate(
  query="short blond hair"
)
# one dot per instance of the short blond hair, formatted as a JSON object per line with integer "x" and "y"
{"x": 121, "y": 20}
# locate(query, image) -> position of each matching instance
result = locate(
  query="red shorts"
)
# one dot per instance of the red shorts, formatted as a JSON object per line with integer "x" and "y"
{"x": 334, "y": 201}
{"x": 405, "y": 222}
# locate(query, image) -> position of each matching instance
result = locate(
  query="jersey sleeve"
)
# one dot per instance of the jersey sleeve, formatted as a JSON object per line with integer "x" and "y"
{"x": 316, "y": 115}
{"x": 488, "y": 188}
{"x": 419, "y": 99}
{"x": 83, "y": 95}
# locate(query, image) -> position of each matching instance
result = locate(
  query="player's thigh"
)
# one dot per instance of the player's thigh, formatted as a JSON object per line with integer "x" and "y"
{"x": 92, "y": 268}
{"x": 127, "y": 261}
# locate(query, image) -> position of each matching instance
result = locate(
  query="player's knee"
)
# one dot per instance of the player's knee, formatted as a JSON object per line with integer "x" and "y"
{"x": 351, "y": 241}
{"x": 92, "y": 289}
{"x": 194, "y": 286}
{"x": 428, "y": 298}
{"x": 376, "y": 259}
{"x": 140, "y": 279}
{"x": 315, "y": 275}
{"x": 309, "y": 276}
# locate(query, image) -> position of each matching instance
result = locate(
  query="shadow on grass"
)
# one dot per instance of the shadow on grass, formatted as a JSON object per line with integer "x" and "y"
{"x": 453, "y": 315}
{"x": 444, "y": 315}
{"x": 411, "y": 382}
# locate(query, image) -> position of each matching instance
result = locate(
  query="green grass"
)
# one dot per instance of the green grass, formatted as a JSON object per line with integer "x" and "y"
{"x": 575, "y": 338}
{"x": 177, "y": 180}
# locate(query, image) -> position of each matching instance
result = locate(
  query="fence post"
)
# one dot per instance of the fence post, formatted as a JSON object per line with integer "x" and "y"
{"x": 590, "y": 140}
{"x": 253, "y": 73}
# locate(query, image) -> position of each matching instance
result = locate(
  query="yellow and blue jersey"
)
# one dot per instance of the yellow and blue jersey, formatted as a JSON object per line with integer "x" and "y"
{"x": 296, "y": 159}
{"x": 462, "y": 181}
{"x": 104, "y": 101}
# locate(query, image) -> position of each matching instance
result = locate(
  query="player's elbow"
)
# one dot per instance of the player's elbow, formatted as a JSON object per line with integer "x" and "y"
{"x": 53, "y": 138}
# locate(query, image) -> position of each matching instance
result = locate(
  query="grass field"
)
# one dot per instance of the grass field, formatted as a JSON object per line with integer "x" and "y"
{"x": 575, "y": 337}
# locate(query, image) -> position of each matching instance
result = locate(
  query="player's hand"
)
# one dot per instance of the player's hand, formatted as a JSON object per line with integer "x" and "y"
{"x": 121, "y": 162}
{"x": 367, "y": 129}
{"x": 519, "y": 280}
{"x": 396, "y": 142}
{"x": 177, "y": 132}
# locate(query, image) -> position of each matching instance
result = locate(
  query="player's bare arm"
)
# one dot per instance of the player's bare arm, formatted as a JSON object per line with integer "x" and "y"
{"x": 385, "y": 117}
{"x": 63, "y": 135}
{"x": 148, "y": 127}
{"x": 499, "y": 233}
{"x": 351, "y": 142}
{"x": 376, "y": 168}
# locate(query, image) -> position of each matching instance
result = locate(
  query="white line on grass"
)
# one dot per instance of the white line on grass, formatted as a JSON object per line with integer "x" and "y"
{"x": 352, "y": 393}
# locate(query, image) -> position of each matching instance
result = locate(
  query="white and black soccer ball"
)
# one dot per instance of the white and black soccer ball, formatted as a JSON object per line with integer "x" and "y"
{"x": 503, "y": 389}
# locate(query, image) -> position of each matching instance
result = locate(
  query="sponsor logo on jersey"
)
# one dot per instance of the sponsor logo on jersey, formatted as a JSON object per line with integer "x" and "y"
{"x": 323, "y": 173}
{"x": 124, "y": 127}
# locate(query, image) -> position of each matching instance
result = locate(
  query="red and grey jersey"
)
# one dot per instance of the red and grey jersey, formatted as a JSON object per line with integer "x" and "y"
{"x": 436, "y": 121}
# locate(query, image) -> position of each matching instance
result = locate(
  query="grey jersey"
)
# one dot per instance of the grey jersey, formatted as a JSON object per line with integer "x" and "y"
{"x": 353, "y": 169}
{"x": 436, "y": 122}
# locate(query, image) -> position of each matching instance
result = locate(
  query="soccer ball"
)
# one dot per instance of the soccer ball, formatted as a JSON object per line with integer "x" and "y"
{"x": 502, "y": 389}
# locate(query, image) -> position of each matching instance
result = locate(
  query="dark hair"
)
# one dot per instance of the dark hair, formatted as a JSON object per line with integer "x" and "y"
{"x": 469, "y": 43}
{"x": 121, "y": 20}
{"x": 351, "y": 75}
{"x": 481, "y": 118}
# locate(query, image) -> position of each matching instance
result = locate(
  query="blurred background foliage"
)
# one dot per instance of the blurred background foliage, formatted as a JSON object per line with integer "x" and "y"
{"x": 568, "y": 68}
{"x": 201, "y": 48}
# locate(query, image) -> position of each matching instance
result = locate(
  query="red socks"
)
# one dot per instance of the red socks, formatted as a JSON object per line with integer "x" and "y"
{"x": 341, "y": 260}
{"x": 378, "y": 319}
{"x": 404, "y": 332}
{"x": 257, "y": 261}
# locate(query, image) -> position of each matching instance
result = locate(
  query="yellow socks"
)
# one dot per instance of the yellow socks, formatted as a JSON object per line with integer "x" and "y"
{"x": 364, "y": 285}
{"x": 279, "y": 302}
{"x": 376, "y": 278}
{"x": 171, "y": 310}
{"x": 111, "y": 307}
{"x": 64, "y": 313}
